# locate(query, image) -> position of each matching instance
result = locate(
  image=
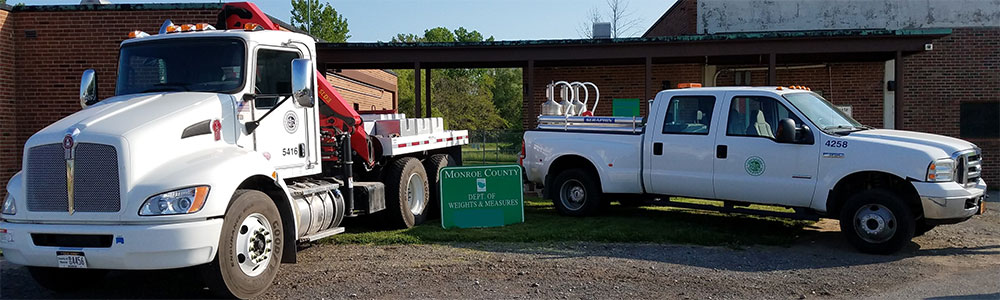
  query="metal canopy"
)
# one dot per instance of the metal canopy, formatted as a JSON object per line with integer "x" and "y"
{"x": 771, "y": 48}
{"x": 735, "y": 48}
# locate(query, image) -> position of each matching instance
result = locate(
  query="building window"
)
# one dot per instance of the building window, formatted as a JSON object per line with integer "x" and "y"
{"x": 980, "y": 119}
{"x": 742, "y": 78}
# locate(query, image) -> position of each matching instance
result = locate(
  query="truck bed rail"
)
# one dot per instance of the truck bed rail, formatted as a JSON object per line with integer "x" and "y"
{"x": 591, "y": 124}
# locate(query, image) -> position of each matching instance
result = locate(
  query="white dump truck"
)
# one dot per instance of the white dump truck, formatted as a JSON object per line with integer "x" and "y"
{"x": 214, "y": 152}
{"x": 766, "y": 145}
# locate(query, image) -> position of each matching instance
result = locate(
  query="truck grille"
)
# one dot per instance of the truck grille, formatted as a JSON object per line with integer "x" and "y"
{"x": 970, "y": 167}
{"x": 96, "y": 181}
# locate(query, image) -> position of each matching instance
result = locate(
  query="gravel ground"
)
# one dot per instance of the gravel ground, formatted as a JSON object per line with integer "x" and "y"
{"x": 956, "y": 261}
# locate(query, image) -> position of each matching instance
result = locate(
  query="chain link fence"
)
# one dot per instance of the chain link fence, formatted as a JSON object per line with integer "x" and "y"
{"x": 492, "y": 147}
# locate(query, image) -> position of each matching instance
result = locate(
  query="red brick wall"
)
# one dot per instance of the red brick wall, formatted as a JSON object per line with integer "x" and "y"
{"x": 856, "y": 84}
{"x": 614, "y": 82}
{"x": 963, "y": 67}
{"x": 680, "y": 19}
{"x": 9, "y": 146}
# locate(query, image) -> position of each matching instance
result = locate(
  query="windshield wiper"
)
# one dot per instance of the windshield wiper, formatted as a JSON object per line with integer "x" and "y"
{"x": 166, "y": 87}
{"x": 839, "y": 127}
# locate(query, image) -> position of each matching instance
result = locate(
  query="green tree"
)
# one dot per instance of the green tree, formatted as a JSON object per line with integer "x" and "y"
{"x": 466, "y": 98}
{"x": 325, "y": 22}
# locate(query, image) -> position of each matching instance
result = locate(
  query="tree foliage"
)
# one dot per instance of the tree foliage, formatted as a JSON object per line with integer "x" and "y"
{"x": 465, "y": 98}
{"x": 325, "y": 22}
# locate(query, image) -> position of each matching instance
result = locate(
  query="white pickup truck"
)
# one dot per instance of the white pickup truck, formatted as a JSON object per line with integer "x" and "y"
{"x": 765, "y": 145}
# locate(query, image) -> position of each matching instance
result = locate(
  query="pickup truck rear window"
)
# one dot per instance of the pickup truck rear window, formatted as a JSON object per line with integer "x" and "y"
{"x": 689, "y": 115}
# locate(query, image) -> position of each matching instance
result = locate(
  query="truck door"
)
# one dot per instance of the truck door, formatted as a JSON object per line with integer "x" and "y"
{"x": 283, "y": 137}
{"x": 750, "y": 165}
{"x": 679, "y": 149}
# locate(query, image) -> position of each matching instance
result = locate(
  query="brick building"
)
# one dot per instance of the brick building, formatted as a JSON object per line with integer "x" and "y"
{"x": 44, "y": 50}
{"x": 953, "y": 89}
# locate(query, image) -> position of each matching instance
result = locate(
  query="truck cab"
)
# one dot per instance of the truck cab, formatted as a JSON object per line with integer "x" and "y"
{"x": 221, "y": 149}
{"x": 783, "y": 146}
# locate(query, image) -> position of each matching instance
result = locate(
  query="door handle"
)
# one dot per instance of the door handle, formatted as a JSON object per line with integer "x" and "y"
{"x": 721, "y": 151}
{"x": 657, "y": 148}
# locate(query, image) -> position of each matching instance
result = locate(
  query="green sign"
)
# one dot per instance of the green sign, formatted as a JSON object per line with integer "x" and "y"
{"x": 485, "y": 196}
{"x": 625, "y": 107}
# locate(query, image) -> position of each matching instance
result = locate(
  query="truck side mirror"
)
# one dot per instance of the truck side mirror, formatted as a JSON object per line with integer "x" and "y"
{"x": 88, "y": 88}
{"x": 302, "y": 82}
{"x": 786, "y": 131}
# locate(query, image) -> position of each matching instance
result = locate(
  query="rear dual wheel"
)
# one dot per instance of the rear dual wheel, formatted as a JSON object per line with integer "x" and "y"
{"x": 407, "y": 194}
{"x": 576, "y": 193}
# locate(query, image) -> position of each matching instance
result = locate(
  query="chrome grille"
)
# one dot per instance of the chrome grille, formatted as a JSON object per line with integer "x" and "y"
{"x": 969, "y": 167}
{"x": 95, "y": 187}
{"x": 973, "y": 168}
{"x": 46, "y": 178}
{"x": 96, "y": 180}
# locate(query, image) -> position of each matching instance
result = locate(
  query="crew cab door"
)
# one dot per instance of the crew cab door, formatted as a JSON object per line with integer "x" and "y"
{"x": 754, "y": 167}
{"x": 680, "y": 142}
{"x": 285, "y": 136}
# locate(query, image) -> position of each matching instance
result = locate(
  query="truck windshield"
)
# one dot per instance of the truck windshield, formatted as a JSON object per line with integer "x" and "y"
{"x": 198, "y": 65}
{"x": 822, "y": 112}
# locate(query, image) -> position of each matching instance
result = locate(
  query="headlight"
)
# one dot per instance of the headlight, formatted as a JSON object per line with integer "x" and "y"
{"x": 941, "y": 170}
{"x": 8, "y": 205}
{"x": 182, "y": 201}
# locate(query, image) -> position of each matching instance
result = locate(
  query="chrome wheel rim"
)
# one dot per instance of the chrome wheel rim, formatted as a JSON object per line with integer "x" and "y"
{"x": 572, "y": 194}
{"x": 253, "y": 244}
{"x": 415, "y": 194}
{"x": 875, "y": 223}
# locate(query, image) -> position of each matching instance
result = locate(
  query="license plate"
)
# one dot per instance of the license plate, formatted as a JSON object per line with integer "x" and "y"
{"x": 71, "y": 259}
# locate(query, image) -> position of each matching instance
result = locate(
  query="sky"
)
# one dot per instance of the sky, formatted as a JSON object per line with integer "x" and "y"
{"x": 380, "y": 20}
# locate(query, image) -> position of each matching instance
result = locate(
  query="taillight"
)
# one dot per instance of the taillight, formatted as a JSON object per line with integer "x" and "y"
{"x": 520, "y": 158}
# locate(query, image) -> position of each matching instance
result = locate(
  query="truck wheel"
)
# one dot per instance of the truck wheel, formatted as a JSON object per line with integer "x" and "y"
{"x": 406, "y": 193}
{"x": 877, "y": 221}
{"x": 433, "y": 166}
{"x": 66, "y": 280}
{"x": 249, "y": 247}
{"x": 576, "y": 193}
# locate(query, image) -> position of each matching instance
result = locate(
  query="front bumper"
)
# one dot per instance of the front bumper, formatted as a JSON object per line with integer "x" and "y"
{"x": 135, "y": 247}
{"x": 949, "y": 202}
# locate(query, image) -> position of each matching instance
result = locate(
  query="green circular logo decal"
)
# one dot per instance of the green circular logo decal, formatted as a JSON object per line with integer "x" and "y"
{"x": 754, "y": 165}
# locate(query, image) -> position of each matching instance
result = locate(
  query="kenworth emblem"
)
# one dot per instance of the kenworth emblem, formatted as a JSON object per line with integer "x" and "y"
{"x": 69, "y": 145}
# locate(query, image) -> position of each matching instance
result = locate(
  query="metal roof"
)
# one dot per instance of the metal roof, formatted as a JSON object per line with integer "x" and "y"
{"x": 724, "y": 48}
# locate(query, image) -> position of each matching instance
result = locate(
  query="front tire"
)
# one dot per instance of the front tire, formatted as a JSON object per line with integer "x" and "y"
{"x": 406, "y": 193}
{"x": 66, "y": 280}
{"x": 250, "y": 247}
{"x": 877, "y": 221}
{"x": 576, "y": 193}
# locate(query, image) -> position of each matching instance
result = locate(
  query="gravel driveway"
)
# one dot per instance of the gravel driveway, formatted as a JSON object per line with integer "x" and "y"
{"x": 957, "y": 261}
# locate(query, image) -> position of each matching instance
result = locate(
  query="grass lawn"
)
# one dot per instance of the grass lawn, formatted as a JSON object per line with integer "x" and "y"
{"x": 619, "y": 224}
